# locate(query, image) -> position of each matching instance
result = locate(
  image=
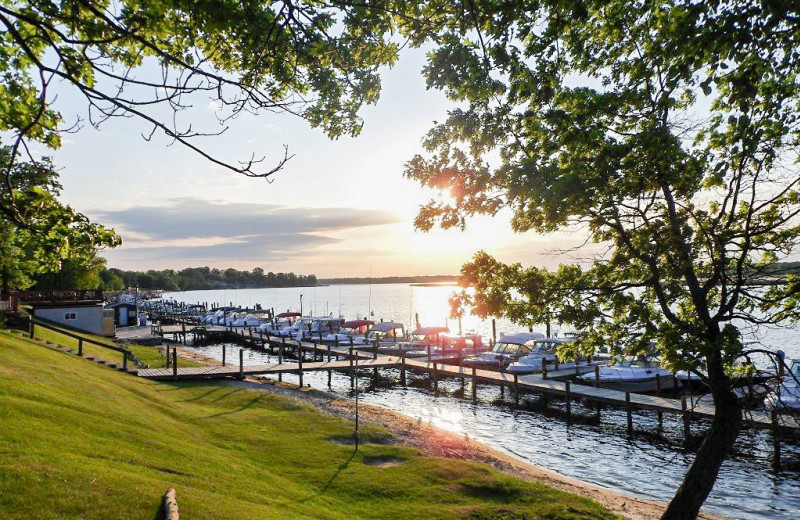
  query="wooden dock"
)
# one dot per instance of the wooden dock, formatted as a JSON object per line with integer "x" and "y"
{"x": 439, "y": 367}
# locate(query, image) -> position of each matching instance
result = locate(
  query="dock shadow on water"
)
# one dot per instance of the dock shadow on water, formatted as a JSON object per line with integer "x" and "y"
{"x": 590, "y": 443}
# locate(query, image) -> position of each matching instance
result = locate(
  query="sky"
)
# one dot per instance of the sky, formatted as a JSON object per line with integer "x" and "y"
{"x": 338, "y": 208}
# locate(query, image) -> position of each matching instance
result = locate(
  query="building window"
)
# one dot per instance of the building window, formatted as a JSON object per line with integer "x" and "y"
{"x": 69, "y": 316}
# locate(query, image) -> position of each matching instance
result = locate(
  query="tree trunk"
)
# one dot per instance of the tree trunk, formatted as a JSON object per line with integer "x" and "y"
{"x": 718, "y": 442}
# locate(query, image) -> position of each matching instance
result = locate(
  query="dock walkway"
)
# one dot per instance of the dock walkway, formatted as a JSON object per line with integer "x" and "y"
{"x": 438, "y": 367}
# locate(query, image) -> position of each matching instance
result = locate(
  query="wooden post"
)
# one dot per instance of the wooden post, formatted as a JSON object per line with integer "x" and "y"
{"x": 167, "y": 355}
{"x": 330, "y": 374}
{"x": 659, "y": 413}
{"x": 516, "y": 389}
{"x": 80, "y": 347}
{"x": 435, "y": 380}
{"x": 241, "y": 363}
{"x": 461, "y": 371}
{"x": 352, "y": 372}
{"x": 776, "y": 440}
{"x": 494, "y": 332}
{"x": 628, "y": 412}
{"x": 429, "y": 353}
{"x": 597, "y": 376}
{"x": 403, "y": 367}
{"x": 224, "y": 349}
{"x": 174, "y": 363}
{"x": 474, "y": 387}
{"x": 329, "y": 351}
{"x": 375, "y": 352}
{"x": 568, "y": 388}
{"x": 544, "y": 368}
{"x": 125, "y": 361}
{"x": 31, "y": 330}
{"x": 281, "y": 349}
{"x": 686, "y": 431}
{"x": 300, "y": 367}
{"x": 315, "y": 351}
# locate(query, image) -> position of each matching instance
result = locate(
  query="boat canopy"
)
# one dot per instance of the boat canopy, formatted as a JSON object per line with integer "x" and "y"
{"x": 386, "y": 326}
{"x": 289, "y": 315}
{"x": 354, "y": 324}
{"x": 520, "y": 338}
{"x": 429, "y": 331}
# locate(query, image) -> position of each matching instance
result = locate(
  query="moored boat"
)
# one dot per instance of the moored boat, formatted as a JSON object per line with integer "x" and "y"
{"x": 507, "y": 350}
{"x": 641, "y": 375}
{"x": 544, "y": 350}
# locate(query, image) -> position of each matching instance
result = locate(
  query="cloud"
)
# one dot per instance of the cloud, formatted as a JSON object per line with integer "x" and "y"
{"x": 194, "y": 231}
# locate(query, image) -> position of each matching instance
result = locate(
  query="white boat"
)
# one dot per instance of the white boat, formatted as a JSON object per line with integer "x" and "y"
{"x": 281, "y": 325}
{"x": 508, "y": 349}
{"x": 355, "y": 330}
{"x": 311, "y": 328}
{"x": 631, "y": 375}
{"x": 543, "y": 349}
{"x": 421, "y": 339}
{"x": 787, "y": 394}
{"x": 249, "y": 320}
{"x": 387, "y": 333}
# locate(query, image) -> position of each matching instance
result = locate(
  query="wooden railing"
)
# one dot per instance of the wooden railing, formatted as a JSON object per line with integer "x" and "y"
{"x": 35, "y": 322}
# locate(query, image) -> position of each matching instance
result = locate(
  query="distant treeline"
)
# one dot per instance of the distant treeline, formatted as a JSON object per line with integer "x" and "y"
{"x": 197, "y": 278}
{"x": 390, "y": 279}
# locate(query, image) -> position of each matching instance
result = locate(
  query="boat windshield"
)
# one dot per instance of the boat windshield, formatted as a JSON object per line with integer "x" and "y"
{"x": 542, "y": 346}
{"x": 795, "y": 370}
{"x": 512, "y": 348}
{"x": 635, "y": 361}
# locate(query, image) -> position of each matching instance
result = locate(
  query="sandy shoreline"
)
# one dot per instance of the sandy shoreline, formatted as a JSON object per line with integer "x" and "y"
{"x": 437, "y": 442}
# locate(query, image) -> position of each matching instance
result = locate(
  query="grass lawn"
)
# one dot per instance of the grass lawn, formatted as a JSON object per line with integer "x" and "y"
{"x": 78, "y": 440}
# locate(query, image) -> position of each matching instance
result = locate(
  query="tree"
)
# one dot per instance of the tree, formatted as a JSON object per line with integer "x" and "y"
{"x": 665, "y": 132}
{"x": 52, "y": 234}
{"x": 315, "y": 59}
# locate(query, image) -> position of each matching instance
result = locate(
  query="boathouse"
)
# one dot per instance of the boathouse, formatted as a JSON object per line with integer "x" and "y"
{"x": 124, "y": 314}
{"x": 80, "y": 310}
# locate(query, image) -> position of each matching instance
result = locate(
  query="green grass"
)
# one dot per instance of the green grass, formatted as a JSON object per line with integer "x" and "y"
{"x": 81, "y": 441}
{"x": 148, "y": 355}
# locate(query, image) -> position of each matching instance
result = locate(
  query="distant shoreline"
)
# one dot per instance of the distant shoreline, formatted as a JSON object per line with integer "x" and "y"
{"x": 432, "y": 279}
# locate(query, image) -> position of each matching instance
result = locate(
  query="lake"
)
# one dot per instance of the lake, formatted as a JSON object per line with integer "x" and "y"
{"x": 600, "y": 452}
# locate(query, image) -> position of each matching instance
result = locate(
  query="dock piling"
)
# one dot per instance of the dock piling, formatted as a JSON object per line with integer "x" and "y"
{"x": 241, "y": 363}
{"x": 224, "y": 349}
{"x": 776, "y": 440}
{"x": 628, "y": 412}
{"x": 686, "y": 430}
{"x": 568, "y": 389}
{"x": 174, "y": 363}
{"x": 300, "y": 366}
{"x": 474, "y": 387}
